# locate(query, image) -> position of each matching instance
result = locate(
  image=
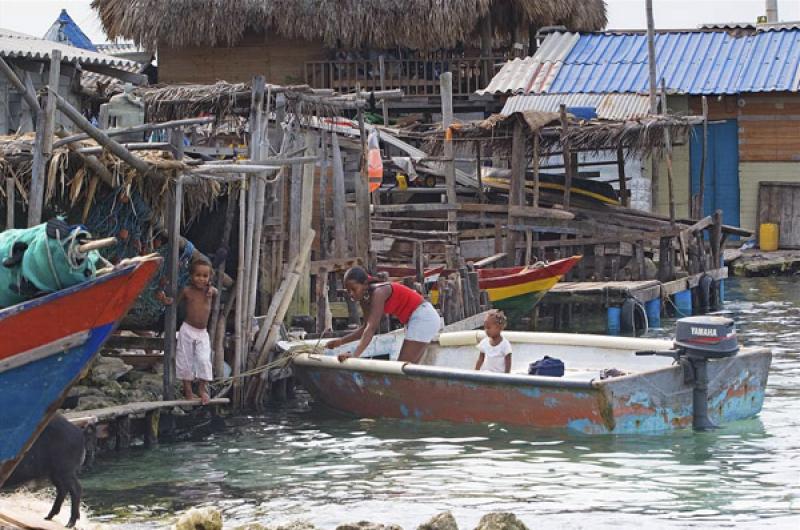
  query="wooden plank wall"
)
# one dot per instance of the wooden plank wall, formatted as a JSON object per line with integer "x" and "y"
{"x": 279, "y": 59}
{"x": 769, "y": 124}
{"x": 779, "y": 202}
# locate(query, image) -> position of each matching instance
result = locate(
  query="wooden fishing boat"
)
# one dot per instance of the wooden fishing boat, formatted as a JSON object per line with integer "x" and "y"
{"x": 515, "y": 290}
{"x": 47, "y": 343}
{"x": 644, "y": 394}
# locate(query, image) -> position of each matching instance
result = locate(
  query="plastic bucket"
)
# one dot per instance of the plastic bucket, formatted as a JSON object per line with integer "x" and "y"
{"x": 768, "y": 237}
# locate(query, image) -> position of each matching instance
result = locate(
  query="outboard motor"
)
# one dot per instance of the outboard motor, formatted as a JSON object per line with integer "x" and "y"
{"x": 698, "y": 339}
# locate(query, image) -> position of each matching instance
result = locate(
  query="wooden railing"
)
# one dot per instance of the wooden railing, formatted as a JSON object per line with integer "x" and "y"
{"x": 412, "y": 76}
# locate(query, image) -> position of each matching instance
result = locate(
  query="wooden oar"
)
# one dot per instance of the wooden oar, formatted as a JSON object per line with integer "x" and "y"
{"x": 97, "y": 244}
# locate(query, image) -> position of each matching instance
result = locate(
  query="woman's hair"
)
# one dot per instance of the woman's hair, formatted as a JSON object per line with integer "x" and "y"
{"x": 359, "y": 275}
{"x": 499, "y": 317}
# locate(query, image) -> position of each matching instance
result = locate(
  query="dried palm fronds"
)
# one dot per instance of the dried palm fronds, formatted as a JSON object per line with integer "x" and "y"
{"x": 426, "y": 25}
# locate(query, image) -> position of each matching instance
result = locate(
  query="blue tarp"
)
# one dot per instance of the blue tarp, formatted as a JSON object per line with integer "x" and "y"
{"x": 66, "y": 31}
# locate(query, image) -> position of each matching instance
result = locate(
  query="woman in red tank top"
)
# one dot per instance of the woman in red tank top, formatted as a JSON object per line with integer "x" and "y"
{"x": 406, "y": 305}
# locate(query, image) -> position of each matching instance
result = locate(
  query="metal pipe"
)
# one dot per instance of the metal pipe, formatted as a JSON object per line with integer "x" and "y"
{"x": 772, "y": 11}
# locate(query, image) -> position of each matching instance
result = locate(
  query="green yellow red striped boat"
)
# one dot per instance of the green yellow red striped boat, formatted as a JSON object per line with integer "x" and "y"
{"x": 515, "y": 290}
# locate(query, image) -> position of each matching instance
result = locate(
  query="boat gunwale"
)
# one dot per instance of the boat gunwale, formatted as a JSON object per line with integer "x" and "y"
{"x": 477, "y": 376}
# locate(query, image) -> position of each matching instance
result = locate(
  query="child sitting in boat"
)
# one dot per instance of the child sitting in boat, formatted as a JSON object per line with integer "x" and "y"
{"x": 495, "y": 350}
{"x": 193, "y": 352}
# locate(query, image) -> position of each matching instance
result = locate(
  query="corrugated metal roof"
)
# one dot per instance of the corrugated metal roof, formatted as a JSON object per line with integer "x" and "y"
{"x": 66, "y": 31}
{"x": 690, "y": 62}
{"x": 14, "y": 44}
{"x": 607, "y": 106}
{"x": 533, "y": 74}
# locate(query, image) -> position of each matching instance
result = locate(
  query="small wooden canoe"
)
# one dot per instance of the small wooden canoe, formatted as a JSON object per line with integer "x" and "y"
{"x": 515, "y": 290}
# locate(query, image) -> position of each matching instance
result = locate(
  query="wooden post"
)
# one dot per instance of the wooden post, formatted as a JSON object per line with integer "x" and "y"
{"x": 699, "y": 206}
{"x": 651, "y": 64}
{"x": 668, "y": 147}
{"x": 716, "y": 241}
{"x": 339, "y": 202}
{"x": 324, "y": 235}
{"x": 219, "y": 345}
{"x": 478, "y": 175}
{"x": 535, "y": 164}
{"x": 50, "y": 106}
{"x": 238, "y": 316}
{"x": 151, "y": 420}
{"x": 487, "y": 37}
{"x": 384, "y": 103}
{"x": 364, "y": 236}
{"x": 665, "y": 268}
{"x": 516, "y": 196}
{"x": 623, "y": 182}
{"x": 10, "y": 202}
{"x": 171, "y": 318}
{"x": 419, "y": 262}
{"x": 43, "y": 147}
{"x": 257, "y": 152}
{"x": 446, "y": 86}
{"x": 568, "y": 166}
{"x": 324, "y": 318}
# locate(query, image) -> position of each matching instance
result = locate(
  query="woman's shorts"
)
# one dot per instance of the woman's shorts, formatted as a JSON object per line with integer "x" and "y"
{"x": 424, "y": 324}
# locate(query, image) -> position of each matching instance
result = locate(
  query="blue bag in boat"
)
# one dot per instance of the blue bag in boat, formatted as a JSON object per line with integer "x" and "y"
{"x": 549, "y": 366}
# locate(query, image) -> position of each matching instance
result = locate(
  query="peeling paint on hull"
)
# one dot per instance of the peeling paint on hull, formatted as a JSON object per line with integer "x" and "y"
{"x": 647, "y": 402}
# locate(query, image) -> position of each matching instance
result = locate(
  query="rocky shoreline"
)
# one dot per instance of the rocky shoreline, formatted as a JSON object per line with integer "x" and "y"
{"x": 211, "y": 519}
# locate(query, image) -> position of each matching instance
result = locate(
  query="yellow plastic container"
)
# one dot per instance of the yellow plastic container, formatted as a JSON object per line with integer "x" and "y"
{"x": 768, "y": 237}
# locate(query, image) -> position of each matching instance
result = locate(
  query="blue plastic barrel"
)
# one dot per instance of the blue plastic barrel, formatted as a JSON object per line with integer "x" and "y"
{"x": 683, "y": 303}
{"x": 653, "y": 310}
{"x": 614, "y": 314}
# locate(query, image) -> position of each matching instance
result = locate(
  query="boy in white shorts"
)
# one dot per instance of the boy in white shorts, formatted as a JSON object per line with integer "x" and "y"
{"x": 193, "y": 352}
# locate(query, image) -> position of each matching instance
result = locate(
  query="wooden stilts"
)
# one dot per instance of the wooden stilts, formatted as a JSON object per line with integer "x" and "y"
{"x": 339, "y": 203}
{"x": 10, "y": 201}
{"x": 569, "y": 170}
{"x": 446, "y": 86}
{"x": 238, "y": 315}
{"x": 516, "y": 193}
{"x": 171, "y": 318}
{"x": 623, "y": 183}
{"x": 218, "y": 345}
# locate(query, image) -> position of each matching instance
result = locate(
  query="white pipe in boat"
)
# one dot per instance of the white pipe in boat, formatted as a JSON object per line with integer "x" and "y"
{"x": 470, "y": 338}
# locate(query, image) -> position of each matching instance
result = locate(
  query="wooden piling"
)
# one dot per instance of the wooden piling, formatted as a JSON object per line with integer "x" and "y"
{"x": 446, "y": 86}
{"x": 171, "y": 317}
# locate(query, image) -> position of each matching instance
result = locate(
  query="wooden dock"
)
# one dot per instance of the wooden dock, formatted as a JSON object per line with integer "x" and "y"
{"x": 117, "y": 426}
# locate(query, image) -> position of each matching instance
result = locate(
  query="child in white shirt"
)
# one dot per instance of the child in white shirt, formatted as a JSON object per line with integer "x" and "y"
{"x": 495, "y": 351}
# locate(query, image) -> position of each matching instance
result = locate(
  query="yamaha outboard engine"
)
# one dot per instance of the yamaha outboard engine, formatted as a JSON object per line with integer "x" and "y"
{"x": 698, "y": 339}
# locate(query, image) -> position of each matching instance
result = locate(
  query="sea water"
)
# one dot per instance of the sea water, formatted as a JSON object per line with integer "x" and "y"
{"x": 303, "y": 462}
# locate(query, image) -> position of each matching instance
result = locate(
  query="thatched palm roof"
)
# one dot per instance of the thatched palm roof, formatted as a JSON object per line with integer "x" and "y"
{"x": 419, "y": 24}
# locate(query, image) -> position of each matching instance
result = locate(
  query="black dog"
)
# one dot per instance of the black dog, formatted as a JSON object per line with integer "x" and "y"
{"x": 58, "y": 455}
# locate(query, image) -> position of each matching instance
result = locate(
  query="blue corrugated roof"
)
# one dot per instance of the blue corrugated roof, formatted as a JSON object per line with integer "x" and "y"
{"x": 689, "y": 62}
{"x": 66, "y": 31}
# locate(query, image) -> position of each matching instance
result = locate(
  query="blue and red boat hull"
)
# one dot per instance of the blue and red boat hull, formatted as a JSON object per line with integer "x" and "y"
{"x": 46, "y": 345}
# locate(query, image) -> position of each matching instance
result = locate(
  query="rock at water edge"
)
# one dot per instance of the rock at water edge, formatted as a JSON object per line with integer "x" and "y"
{"x": 200, "y": 519}
{"x": 500, "y": 521}
{"x": 442, "y": 521}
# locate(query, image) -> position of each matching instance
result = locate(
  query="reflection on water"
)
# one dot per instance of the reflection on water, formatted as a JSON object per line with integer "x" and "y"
{"x": 304, "y": 463}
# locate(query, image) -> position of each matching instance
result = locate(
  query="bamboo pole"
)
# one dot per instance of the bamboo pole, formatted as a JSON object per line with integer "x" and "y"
{"x": 146, "y": 127}
{"x": 53, "y": 79}
{"x": 219, "y": 353}
{"x": 255, "y": 212}
{"x": 28, "y": 96}
{"x": 171, "y": 318}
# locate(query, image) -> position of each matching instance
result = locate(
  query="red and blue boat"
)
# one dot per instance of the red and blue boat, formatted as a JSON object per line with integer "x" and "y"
{"x": 47, "y": 343}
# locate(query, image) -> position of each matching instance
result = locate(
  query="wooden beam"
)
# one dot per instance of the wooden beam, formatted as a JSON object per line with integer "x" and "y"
{"x": 50, "y": 107}
{"x": 569, "y": 168}
{"x": 623, "y": 183}
{"x": 130, "y": 77}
